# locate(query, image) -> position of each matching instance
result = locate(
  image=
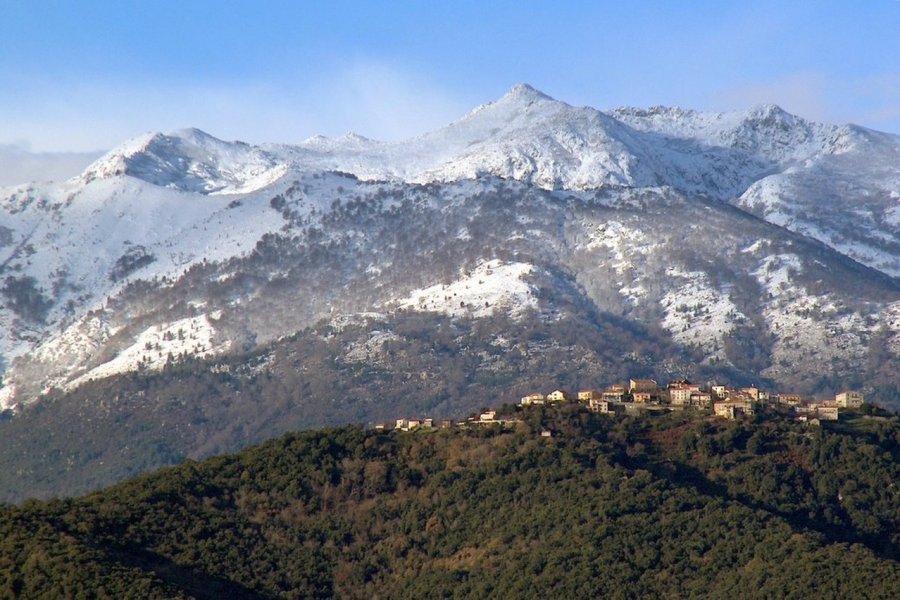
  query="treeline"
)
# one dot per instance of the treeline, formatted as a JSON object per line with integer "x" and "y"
{"x": 670, "y": 506}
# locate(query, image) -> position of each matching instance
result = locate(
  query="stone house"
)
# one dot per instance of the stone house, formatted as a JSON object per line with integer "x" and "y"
{"x": 849, "y": 399}
{"x": 641, "y": 397}
{"x": 752, "y": 391}
{"x": 643, "y": 385}
{"x": 732, "y": 409}
{"x": 680, "y": 392}
{"x": 614, "y": 393}
{"x": 827, "y": 413}
{"x": 604, "y": 407}
{"x": 701, "y": 399}
{"x": 558, "y": 396}
{"x": 790, "y": 399}
{"x": 533, "y": 399}
{"x": 588, "y": 395}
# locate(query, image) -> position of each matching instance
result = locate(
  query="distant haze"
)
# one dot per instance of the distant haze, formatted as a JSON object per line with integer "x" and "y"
{"x": 21, "y": 166}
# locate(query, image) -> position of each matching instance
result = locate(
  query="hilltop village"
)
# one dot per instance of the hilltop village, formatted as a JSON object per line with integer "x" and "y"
{"x": 641, "y": 396}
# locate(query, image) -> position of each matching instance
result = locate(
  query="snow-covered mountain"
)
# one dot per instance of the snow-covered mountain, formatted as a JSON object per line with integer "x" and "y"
{"x": 837, "y": 184}
{"x": 756, "y": 241}
{"x": 191, "y": 161}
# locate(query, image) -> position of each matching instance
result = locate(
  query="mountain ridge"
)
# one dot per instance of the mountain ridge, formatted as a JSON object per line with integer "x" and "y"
{"x": 751, "y": 158}
{"x": 163, "y": 206}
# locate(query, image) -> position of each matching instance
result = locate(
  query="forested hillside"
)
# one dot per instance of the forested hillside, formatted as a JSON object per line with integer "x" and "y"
{"x": 679, "y": 505}
{"x": 363, "y": 372}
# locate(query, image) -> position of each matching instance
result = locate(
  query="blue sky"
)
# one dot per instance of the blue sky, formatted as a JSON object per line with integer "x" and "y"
{"x": 88, "y": 75}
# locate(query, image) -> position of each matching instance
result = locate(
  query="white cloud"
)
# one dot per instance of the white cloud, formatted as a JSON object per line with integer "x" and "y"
{"x": 374, "y": 99}
{"x": 383, "y": 102}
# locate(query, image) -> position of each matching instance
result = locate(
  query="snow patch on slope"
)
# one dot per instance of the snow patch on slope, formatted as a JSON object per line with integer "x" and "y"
{"x": 75, "y": 343}
{"x": 697, "y": 314}
{"x": 844, "y": 195}
{"x": 7, "y": 393}
{"x": 369, "y": 351}
{"x": 626, "y": 245}
{"x": 160, "y": 344}
{"x": 809, "y": 329}
{"x": 776, "y": 272}
{"x": 491, "y": 286}
{"x": 891, "y": 323}
{"x": 614, "y": 236}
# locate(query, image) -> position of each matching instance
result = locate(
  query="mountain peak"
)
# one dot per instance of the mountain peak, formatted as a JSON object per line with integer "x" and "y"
{"x": 194, "y": 135}
{"x": 189, "y": 160}
{"x": 352, "y": 136}
{"x": 518, "y": 98}
{"x": 768, "y": 109}
{"x": 152, "y": 142}
{"x": 526, "y": 92}
{"x": 773, "y": 115}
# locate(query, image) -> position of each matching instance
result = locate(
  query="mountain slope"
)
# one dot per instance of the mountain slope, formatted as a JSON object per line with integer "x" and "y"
{"x": 435, "y": 301}
{"x": 727, "y": 276}
{"x": 699, "y": 225}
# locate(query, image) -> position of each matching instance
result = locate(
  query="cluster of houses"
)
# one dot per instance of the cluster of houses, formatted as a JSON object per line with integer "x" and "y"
{"x": 645, "y": 395}
{"x": 488, "y": 417}
{"x": 727, "y": 402}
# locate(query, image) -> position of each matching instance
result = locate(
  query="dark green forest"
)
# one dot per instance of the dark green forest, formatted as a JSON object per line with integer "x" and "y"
{"x": 678, "y": 506}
